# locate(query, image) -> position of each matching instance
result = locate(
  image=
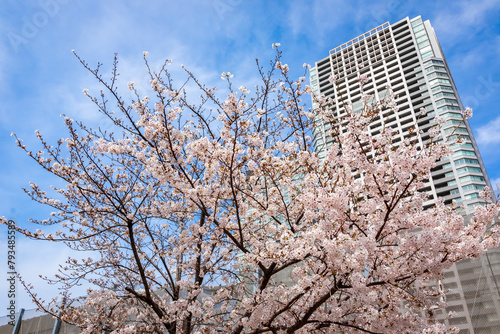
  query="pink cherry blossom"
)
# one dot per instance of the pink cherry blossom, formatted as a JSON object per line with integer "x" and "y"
{"x": 218, "y": 216}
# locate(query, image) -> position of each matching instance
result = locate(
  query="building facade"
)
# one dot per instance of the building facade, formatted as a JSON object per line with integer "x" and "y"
{"x": 406, "y": 56}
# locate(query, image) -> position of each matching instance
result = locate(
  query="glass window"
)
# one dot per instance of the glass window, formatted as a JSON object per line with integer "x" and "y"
{"x": 441, "y": 94}
{"x": 455, "y": 130}
{"x": 423, "y": 44}
{"x": 383, "y": 93}
{"x": 471, "y": 178}
{"x": 471, "y": 196}
{"x": 435, "y": 89}
{"x": 439, "y": 68}
{"x": 422, "y": 38}
{"x": 466, "y": 161}
{"x": 437, "y": 74}
{"x": 472, "y": 206}
{"x": 438, "y": 80}
{"x": 470, "y": 187}
{"x": 451, "y": 114}
{"x": 418, "y": 28}
{"x": 443, "y": 101}
{"x": 452, "y": 122}
{"x": 417, "y": 21}
{"x": 463, "y": 152}
{"x": 461, "y": 145}
{"x": 448, "y": 165}
{"x": 448, "y": 108}
{"x": 468, "y": 169}
{"x": 454, "y": 137}
{"x": 449, "y": 174}
{"x": 357, "y": 107}
{"x": 420, "y": 33}
{"x": 427, "y": 55}
{"x": 434, "y": 61}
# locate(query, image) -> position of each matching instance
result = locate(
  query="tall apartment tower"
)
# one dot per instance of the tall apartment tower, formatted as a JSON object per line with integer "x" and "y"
{"x": 407, "y": 57}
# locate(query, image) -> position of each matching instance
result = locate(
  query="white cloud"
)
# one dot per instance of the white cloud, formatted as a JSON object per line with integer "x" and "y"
{"x": 460, "y": 16}
{"x": 471, "y": 57}
{"x": 34, "y": 258}
{"x": 495, "y": 183}
{"x": 318, "y": 18}
{"x": 489, "y": 133}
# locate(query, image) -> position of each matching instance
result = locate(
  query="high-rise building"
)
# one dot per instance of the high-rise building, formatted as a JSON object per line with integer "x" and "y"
{"x": 406, "y": 56}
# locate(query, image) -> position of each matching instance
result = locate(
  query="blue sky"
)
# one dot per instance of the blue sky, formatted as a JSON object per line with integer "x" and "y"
{"x": 41, "y": 79}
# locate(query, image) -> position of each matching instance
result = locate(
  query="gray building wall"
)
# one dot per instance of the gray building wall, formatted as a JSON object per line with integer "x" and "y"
{"x": 407, "y": 57}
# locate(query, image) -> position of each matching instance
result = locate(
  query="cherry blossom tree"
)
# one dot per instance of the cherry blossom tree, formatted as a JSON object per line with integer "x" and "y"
{"x": 216, "y": 215}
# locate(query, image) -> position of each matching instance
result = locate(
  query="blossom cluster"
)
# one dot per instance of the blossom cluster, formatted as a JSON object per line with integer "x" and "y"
{"x": 221, "y": 217}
